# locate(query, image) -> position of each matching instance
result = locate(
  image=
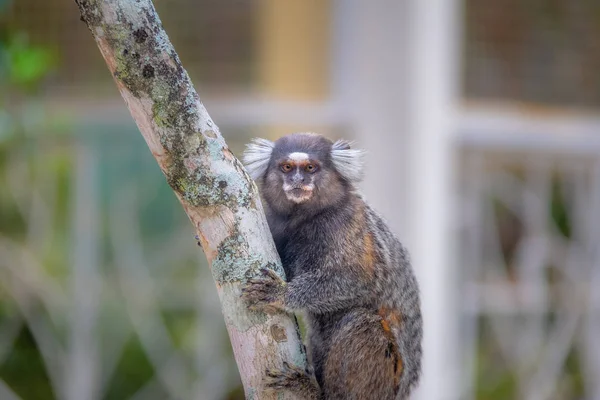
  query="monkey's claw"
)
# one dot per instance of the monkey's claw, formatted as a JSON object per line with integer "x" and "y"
{"x": 270, "y": 273}
{"x": 287, "y": 378}
{"x": 265, "y": 293}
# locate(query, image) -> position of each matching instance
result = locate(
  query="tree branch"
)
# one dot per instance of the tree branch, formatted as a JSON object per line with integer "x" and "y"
{"x": 218, "y": 196}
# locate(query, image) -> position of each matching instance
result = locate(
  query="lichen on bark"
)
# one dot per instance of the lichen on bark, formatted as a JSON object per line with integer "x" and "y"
{"x": 145, "y": 63}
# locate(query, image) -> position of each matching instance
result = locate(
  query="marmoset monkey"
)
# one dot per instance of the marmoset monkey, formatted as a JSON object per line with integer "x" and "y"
{"x": 345, "y": 270}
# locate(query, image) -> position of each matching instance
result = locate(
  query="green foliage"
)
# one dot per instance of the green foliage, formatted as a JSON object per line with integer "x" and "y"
{"x": 26, "y": 65}
{"x": 24, "y": 371}
{"x": 133, "y": 371}
{"x": 559, "y": 209}
{"x": 23, "y": 68}
{"x": 574, "y": 376}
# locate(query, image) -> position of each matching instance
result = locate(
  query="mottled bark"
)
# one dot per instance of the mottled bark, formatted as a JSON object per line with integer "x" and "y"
{"x": 212, "y": 185}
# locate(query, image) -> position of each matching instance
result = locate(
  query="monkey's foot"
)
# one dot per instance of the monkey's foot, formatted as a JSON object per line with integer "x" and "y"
{"x": 291, "y": 378}
{"x": 265, "y": 293}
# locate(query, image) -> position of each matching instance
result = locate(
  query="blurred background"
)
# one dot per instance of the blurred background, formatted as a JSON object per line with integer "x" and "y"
{"x": 481, "y": 119}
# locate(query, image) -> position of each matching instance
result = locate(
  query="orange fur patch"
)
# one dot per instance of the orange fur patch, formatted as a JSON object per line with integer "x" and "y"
{"x": 369, "y": 254}
{"x": 392, "y": 316}
{"x": 398, "y": 371}
{"x": 386, "y": 326}
{"x": 391, "y": 319}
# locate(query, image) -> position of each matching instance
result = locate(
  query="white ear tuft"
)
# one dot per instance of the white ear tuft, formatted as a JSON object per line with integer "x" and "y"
{"x": 347, "y": 161}
{"x": 257, "y": 157}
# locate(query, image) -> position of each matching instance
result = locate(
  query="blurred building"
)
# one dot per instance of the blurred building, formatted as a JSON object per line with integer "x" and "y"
{"x": 481, "y": 120}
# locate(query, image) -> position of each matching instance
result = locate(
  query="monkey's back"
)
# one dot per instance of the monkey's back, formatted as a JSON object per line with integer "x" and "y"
{"x": 400, "y": 302}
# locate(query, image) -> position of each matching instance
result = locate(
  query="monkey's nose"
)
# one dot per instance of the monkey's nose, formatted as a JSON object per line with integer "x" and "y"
{"x": 298, "y": 178}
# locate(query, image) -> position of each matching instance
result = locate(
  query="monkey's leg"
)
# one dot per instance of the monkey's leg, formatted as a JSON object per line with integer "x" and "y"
{"x": 293, "y": 379}
{"x": 363, "y": 362}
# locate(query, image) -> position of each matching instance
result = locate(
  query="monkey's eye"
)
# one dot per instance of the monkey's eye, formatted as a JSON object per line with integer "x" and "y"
{"x": 286, "y": 167}
{"x": 310, "y": 168}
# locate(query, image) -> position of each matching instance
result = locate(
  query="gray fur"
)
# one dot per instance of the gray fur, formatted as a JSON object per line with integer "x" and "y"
{"x": 351, "y": 277}
{"x": 257, "y": 156}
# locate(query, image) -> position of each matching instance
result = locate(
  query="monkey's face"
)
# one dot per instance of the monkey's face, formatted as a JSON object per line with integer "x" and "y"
{"x": 297, "y": 173}
{"x": 302, "y": 177}
{"x": 302, "y": 171}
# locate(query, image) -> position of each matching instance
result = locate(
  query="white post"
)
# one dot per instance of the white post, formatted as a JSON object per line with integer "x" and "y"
{"x": 81, "y": 377}
{"x": 432, "y": 57}
{"x": 369, "y": 72}
{"x": 399, "y": 63}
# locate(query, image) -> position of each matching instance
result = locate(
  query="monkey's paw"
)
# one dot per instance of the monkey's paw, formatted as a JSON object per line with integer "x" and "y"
{"x": 265, "y": 293}
{"x": 290, "y": 378}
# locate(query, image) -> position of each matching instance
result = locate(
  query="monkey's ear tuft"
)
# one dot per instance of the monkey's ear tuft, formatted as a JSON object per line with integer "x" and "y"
{"x": 256, "y": 157}
{"x": 342, "y": 144}
{"x": 347, "y": 161}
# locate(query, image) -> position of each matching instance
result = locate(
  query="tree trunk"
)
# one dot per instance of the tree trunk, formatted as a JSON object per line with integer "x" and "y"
{"x": 217, "y": 194}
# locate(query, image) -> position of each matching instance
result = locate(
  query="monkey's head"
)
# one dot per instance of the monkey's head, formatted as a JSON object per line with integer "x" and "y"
{"x": 303, "y": 169}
